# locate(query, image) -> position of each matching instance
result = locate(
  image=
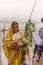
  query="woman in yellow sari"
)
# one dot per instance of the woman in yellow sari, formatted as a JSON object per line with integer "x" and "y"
{"x": 13, "y": 56}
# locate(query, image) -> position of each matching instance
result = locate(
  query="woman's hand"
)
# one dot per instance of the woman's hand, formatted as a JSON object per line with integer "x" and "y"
{"x": 16, "y": 46}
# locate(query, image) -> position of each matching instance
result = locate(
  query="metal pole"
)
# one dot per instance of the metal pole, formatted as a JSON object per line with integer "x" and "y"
{"x": 32, "y": 9}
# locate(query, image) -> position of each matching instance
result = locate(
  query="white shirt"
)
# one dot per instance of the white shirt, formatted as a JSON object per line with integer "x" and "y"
{"x": 36, "y": 34}
{"x": 16, "y": 35}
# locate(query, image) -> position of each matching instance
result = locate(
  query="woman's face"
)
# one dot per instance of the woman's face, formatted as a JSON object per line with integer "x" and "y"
{"x": 15, "y": 28}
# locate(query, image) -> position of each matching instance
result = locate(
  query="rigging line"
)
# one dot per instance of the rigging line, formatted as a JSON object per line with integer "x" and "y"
{"x": 32, "y": 9}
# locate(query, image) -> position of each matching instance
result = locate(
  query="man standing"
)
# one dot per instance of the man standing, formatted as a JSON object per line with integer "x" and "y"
{"x": 36, "y": 35}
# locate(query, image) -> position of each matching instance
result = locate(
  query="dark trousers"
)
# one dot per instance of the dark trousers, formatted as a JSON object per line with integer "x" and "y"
{"x": 36, "y": 46}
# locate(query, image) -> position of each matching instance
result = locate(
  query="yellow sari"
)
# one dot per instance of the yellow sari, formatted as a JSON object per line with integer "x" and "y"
{"x": 9, "y": 52}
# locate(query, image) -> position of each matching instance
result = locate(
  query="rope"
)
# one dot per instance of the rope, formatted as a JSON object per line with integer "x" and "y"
{"x": 32, "y": 10}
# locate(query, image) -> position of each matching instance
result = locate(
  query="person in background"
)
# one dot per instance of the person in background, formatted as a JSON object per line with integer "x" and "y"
{"x": 11, "y": 54}
{"x": 38, "y": 35}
